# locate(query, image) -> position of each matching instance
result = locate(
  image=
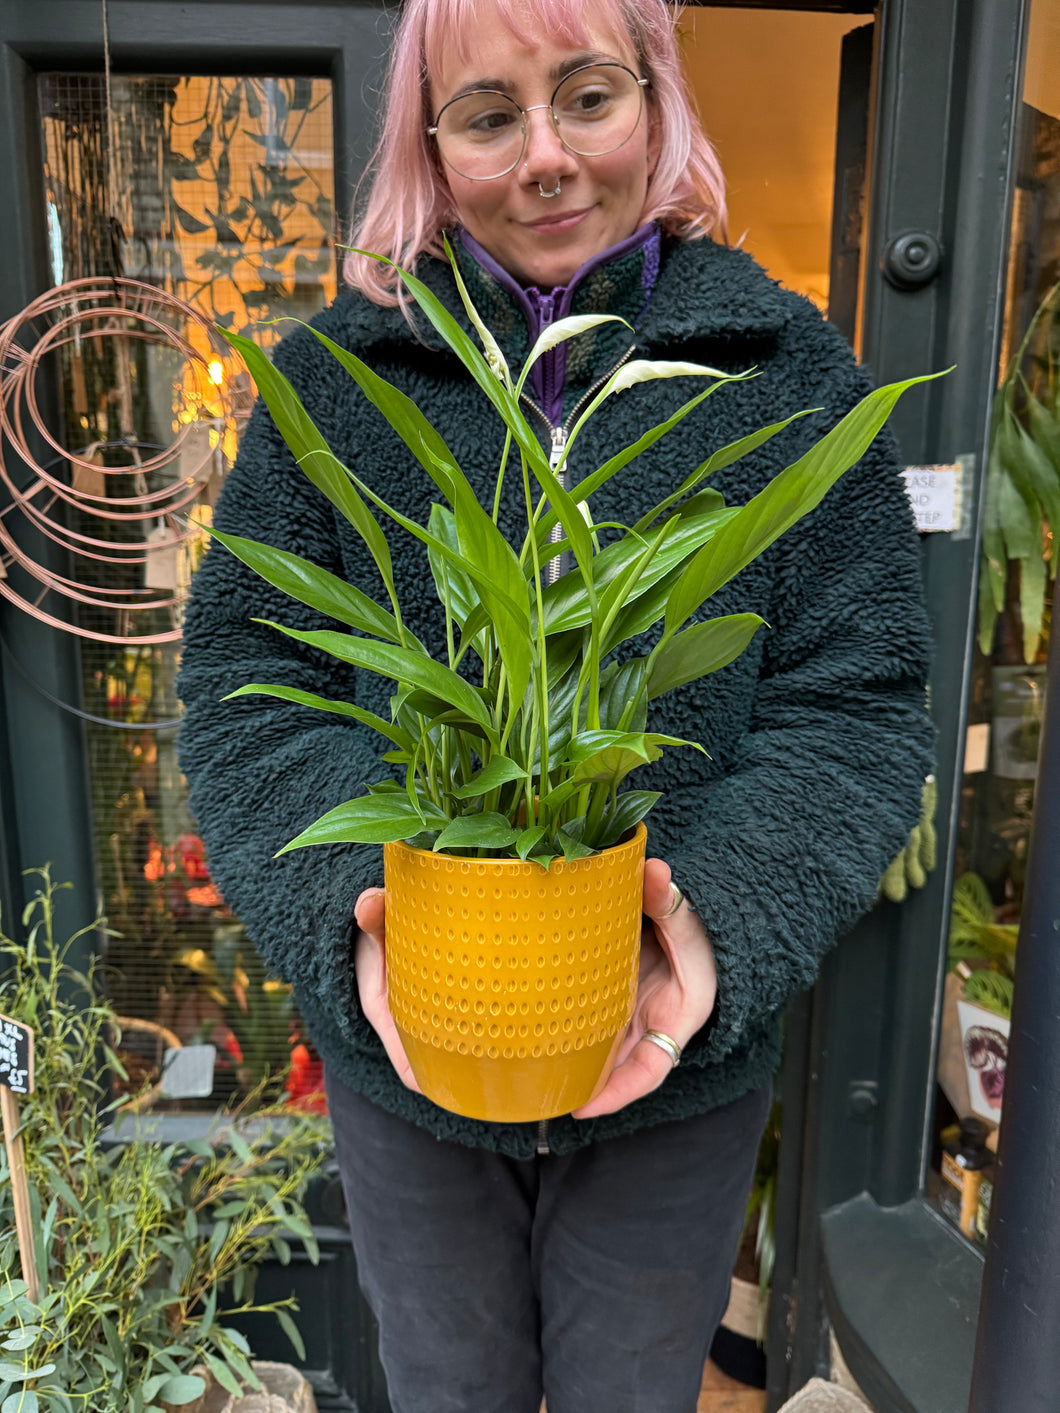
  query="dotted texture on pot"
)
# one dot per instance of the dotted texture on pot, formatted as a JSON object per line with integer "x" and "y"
{"x": 502, "y": 960}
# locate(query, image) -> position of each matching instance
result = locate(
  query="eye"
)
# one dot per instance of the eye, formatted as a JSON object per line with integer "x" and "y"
{"x": 587, "y": 102}
{"x": 488, "y": 123}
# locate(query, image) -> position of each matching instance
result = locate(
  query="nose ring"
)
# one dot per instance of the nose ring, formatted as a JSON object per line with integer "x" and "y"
{"x": 548, "y": 195}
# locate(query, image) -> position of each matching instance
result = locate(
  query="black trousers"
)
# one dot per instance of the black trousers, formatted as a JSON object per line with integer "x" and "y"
{"x": 597, "y": 1278}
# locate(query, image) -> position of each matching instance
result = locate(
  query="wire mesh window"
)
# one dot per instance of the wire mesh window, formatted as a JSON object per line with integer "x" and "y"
{"x": 221, "y": 192}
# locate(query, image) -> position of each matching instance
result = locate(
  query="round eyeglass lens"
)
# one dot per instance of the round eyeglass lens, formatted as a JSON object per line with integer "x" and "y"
{"x": 595, "y": 110}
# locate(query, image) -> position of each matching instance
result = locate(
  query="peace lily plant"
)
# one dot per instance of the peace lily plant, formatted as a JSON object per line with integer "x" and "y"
{"x": 519, "y": 744}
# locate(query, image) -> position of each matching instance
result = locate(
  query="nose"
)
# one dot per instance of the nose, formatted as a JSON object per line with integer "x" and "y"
{"x": 545, "y": 159}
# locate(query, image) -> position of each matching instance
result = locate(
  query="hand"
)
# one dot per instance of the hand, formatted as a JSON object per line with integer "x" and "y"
{"x": 369, "y": 960}
{"x": 676, "y": 991}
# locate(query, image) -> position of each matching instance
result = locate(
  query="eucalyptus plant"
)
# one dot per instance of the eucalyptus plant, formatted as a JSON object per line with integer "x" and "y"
{"x": 518, "y": 744}
{"x": 144, "y": 1251}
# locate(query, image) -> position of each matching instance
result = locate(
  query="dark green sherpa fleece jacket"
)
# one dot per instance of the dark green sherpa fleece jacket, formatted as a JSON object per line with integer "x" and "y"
{"x": 818, "y": 737}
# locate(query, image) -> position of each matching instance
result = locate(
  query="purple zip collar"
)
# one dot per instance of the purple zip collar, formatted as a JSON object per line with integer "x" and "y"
{"x": 548, "y": 376}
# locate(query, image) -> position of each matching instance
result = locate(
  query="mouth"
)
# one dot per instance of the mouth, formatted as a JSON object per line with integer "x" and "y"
{"x": 559, "y": 222}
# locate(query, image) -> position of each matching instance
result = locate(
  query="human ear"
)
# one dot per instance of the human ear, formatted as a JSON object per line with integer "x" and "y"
{"x": 655, "y": 139}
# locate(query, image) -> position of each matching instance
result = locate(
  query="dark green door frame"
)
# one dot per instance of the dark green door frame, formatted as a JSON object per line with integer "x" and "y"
{"x": 901, "y": 1291}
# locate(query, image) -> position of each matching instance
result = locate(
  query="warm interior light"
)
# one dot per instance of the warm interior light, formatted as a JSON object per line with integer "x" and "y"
{"x": 217, "y": 372}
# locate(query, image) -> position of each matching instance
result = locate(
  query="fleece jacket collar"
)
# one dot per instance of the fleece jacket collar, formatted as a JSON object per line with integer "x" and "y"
{"x": 617, "y": 281}
{"x": 704, "y": 292}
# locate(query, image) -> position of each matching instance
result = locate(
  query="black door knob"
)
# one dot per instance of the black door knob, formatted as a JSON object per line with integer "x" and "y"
{"x": 911, "y": 260}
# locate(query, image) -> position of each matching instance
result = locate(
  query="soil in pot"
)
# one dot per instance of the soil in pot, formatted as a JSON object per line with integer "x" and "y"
{"x": 511, "y": 985}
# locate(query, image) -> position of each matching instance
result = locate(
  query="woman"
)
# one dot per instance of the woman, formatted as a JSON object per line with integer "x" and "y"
{"x": 588, "y": 1258}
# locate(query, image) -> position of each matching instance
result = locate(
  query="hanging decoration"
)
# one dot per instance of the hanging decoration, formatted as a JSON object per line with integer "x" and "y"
{"x": 113, "y": 534}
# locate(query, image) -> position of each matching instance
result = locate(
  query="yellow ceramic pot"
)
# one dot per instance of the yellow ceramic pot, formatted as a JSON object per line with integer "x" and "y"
{"x": 511, "y": 985}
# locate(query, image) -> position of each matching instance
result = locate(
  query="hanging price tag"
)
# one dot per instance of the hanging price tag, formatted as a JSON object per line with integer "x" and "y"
{"x": 87, "y": 481}
{"x": 196, "y": 452}
{"x": 162, "y": 571}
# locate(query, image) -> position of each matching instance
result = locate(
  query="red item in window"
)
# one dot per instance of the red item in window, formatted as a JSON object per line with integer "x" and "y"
{"x": 305, "y": 1083}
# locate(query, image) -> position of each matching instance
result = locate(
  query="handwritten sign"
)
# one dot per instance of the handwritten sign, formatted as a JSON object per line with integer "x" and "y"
{"x": 935, "y": 495}
{"x": 16, "y": 1077}
{"x": 16, "y": 1056}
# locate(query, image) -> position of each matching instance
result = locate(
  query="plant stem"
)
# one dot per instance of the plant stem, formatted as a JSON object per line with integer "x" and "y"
{"x": 539, "y": 720}
{"x": 500, "y": 475}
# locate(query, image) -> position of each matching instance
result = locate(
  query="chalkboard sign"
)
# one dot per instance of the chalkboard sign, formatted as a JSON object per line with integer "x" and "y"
{"x": 16, "y": 1056}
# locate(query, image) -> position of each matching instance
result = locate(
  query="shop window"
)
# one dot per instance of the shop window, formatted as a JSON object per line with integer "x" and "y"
{"x": 221, "y": 192}
{"x": 773, "y": 122}
{"x": 1018, "y": 560}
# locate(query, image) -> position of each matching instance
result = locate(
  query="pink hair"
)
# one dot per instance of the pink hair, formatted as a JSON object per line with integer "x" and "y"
{"x": 409, "y": 204}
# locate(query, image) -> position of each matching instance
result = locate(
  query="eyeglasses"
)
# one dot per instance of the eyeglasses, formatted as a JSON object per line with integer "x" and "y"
{"x": 595, "y": 110}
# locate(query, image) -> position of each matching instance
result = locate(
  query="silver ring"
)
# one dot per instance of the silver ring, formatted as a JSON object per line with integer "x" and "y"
{"x": 664, "y": 1042}
{"x": 548, "y": 195}
{"x": 678, "y": 899}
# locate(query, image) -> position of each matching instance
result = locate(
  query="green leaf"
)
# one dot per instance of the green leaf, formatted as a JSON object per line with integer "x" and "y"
{"x": 500, "y": 771}
{"x": 502, "y": 398}
{"x": 239, "y": 1339}
{"x": 990, "y": 989}
{"x": 565, "y": 603}
{"x": 607, "y": 757}
{"x": 209, "y": 1310}
{"x": 182, "y": 1388}
{"x": 18, "y": 1373}
{"x": 718, "y": 461}
{"x": 629, "y": 809}
{"x": 22, "y": 1339}
{"x": 25, "y": 1401}
{"x": 309, "y": 584}
{"x": 1018, "y": 522}
{"x": 149, "y": 1388}
{"x": 223, "y": 1374}
{"x": 987, "y": 608}
{"x": 218, "y": 1237}
{"x": 1043, "y": 480}
{"x": 699, "y": 650}
{"x": 789, "y": 496}
{"x": 527, "y": 840}
{"x": 572, "y": 848}
{"x": 476, "y": 831}
{"x": 400, "y": 665}
{"x": 1033, "y": 577}
{"x": 312, "y": 452}
{"x": 295, "y": 694}
{"x": 291, "y": 1330}
{"x": 623, "y": 699}
{"x": 448, "y": 578}
{"x": 486, "y": 558}
{"x": 373, "y": 819}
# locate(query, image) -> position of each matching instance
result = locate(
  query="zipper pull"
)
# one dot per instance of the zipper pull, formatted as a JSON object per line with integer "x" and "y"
{"x": 543, "y": 1148}
{"x": 559, "y": 446}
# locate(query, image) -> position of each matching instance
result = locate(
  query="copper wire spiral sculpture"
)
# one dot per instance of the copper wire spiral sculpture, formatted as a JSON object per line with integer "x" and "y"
{"x": 109, "y": 521}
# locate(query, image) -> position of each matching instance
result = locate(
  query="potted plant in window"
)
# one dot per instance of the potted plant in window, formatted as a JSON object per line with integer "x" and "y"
{"x": 982, "y": 952}
{"x": 513, "y": 853}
